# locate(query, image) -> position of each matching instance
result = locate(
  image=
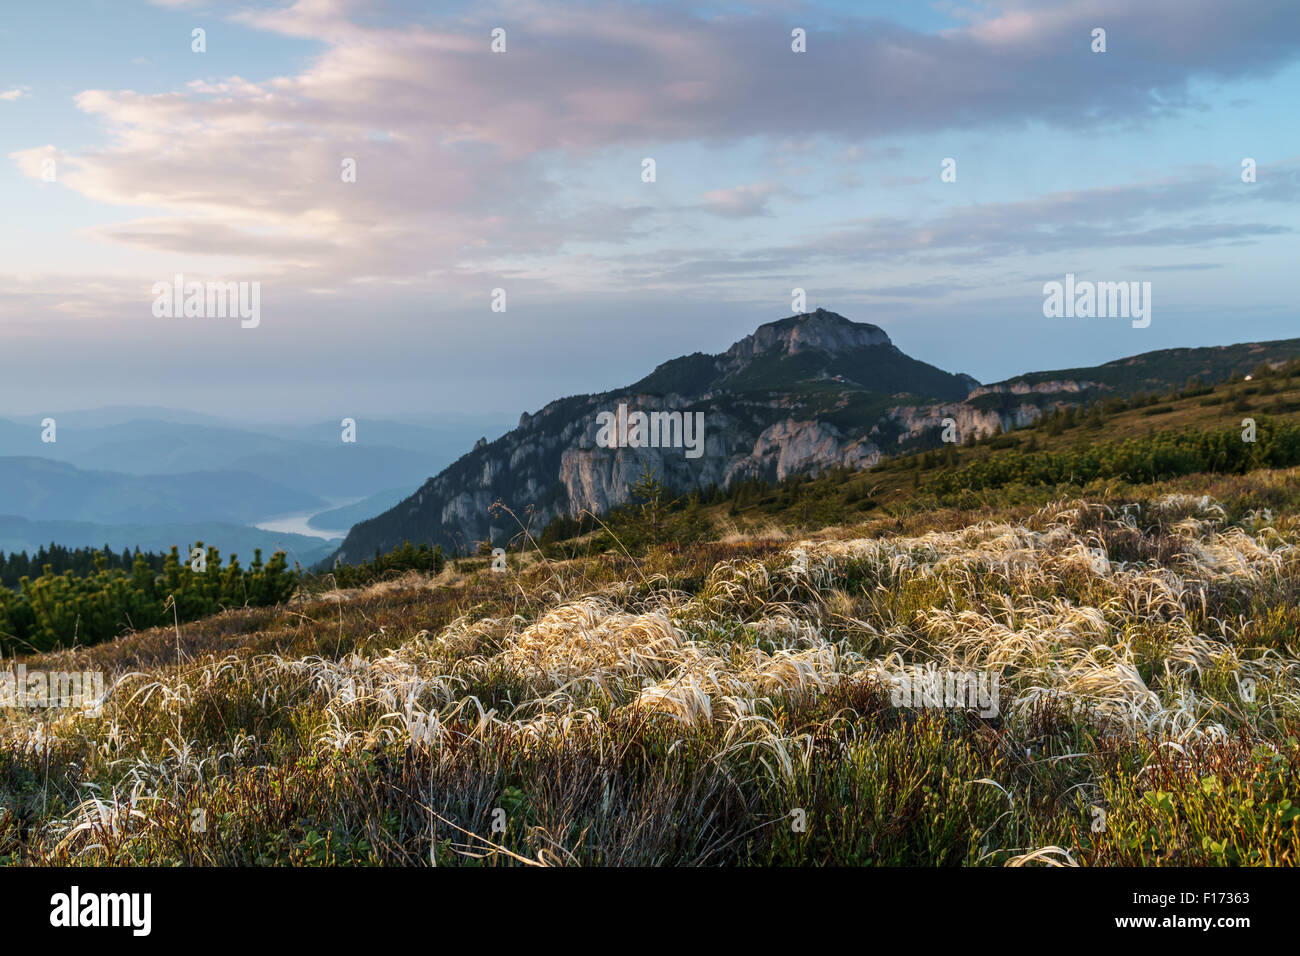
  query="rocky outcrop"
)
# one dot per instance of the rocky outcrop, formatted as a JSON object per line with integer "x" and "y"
{"x": 1038, "y": 388}
{"x": 790, "y": 448}
{"x": 820, "y": 330}
{"x": 914, "y": 421}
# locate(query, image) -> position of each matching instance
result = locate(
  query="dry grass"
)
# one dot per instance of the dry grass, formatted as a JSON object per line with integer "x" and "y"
{"x": 688, "y": 710}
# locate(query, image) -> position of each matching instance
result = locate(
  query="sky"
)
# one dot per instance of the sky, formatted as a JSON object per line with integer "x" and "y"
{"x": 130, "y": 156}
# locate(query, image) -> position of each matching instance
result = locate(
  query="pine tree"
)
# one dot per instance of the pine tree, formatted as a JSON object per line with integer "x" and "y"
{"x": 649, "y": 494}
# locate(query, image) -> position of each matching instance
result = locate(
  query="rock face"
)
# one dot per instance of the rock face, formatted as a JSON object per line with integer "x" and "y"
{"x": 798, "y": 396}
{"x": 970, "y": 422}
{"x": 1038, "y": 388}
{"x": 789, "y": 447}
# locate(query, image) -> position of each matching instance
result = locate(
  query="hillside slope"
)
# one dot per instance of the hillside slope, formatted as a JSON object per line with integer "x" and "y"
{"x": 1131, "y": 655}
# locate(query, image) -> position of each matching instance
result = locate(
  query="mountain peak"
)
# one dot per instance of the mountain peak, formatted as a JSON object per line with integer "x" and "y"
{"x": 824, "y": 330}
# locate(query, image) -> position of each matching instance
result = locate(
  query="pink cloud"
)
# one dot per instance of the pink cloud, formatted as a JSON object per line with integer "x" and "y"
{"x": 457, "y": 147}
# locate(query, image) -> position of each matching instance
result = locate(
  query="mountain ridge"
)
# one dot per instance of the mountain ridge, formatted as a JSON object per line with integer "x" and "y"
{"x": 768, "y": 400}
{"x": 47, "y": 489}
{"x": 799, "y": 395}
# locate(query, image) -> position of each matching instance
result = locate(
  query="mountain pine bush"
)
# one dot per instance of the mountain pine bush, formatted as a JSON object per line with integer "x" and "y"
{"x": 65, "y": 609}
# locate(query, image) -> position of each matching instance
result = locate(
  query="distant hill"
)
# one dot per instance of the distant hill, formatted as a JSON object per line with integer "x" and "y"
{"x": 348, "y": 515}
{"x": 107, "y": 415}
{"x": 311, "y": 458}
{"x": 1022, "y": 399}
{"x": 131, "y": 475}
{"x": 1166, "y": 369}
{"x": 41, "y": 489}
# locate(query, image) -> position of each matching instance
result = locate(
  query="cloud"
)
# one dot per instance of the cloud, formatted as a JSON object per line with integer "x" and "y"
{"x": 740, "y": 202}
{"x": 1191, "y": 211}
{"x": 464, "y": 157}
{"x": 17, "y": 93}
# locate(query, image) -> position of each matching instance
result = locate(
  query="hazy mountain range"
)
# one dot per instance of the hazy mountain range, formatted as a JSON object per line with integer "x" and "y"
{"x": 310, "y": 458}
{"x": 153, "y": 477}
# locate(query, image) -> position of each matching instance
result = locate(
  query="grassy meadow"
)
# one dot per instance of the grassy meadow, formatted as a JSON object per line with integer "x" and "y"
{"x": 727, "y": 700}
